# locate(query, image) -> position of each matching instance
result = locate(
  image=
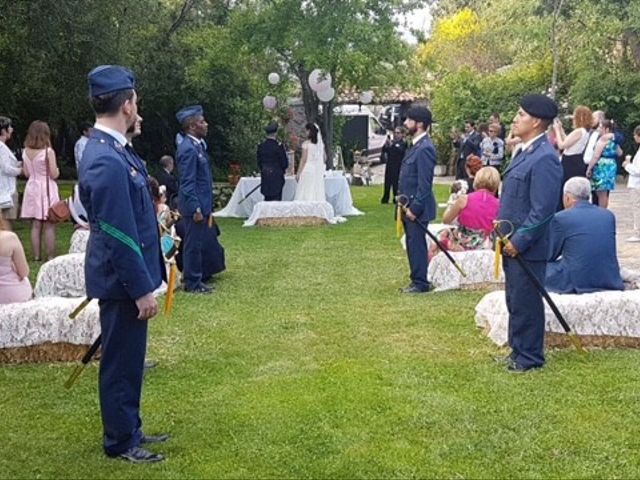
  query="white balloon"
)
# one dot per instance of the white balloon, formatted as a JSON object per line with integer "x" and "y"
{"x": 269, "y": 102}
{"x": 274, "y": 78}
{"x": 366, "y": 97}
{"x": 319, "y": 80}
{"x": 326, "y": 95}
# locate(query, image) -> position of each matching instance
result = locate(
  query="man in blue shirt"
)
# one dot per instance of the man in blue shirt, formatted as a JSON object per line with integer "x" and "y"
{"x": 416, "y": 180}
{"x": 123, "y": 264}
{"x": 582, "y": 250}
{"x": 530, "y": 189}
{"x": 195, "y": 197}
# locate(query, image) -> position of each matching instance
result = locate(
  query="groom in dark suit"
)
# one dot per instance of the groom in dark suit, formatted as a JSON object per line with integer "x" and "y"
{"x": 530, "y": 188}
{"x": 416, "y": 179}
{"x": 272, "y": 162}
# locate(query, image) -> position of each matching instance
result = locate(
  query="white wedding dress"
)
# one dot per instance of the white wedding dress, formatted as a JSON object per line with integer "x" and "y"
{"x": 311, "y": 184}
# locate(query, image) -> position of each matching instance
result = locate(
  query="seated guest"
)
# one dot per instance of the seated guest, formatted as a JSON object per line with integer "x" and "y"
{"x": 159, "y": 196}
{"x": 474, "y": 213}
{"x": 165, "y": 177}
{"x": 582, "y": 239}
{"x": 471, "y": 167}
{"x": 458, "y": 188}
{"x": 14, "y": 269}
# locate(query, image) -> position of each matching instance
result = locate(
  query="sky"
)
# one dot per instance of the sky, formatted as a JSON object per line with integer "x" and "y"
{"x": 418, "y": 19}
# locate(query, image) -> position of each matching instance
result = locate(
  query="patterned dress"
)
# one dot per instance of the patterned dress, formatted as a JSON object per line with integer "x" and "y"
{"x": 603, "y": 177}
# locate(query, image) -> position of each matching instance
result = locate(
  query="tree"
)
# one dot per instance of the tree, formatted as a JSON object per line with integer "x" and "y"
{"x": 347, "y": 39}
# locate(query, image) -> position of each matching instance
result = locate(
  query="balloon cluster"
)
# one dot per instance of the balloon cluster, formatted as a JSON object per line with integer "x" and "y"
{"x": 320, "y": 82}
{"x": 269, "y": 102}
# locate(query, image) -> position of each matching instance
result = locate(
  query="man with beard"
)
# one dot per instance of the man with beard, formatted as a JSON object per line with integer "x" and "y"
{"x": 416, "y": 179}
{"x": 272, "y": 162}
{"x": 530, "y": 189}
{"x": 123, "y": 264}
{"x": 195, "y": 198}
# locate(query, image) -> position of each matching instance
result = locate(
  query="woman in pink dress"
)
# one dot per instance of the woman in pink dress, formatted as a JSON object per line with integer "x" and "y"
{"x": 41, "y": 191}
{"x": 474, "y": 214}
{"x": 14, "y": 269}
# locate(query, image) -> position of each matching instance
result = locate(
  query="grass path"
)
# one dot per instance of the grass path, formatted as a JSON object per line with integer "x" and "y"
{"x": 306, "y": 363}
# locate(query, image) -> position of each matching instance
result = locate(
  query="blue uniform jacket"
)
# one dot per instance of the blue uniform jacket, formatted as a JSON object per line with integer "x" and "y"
{"x": 272, "y": 162}
{"x": 582, "y": 252}
{"x": 530, "y": 191}
{"x": 123, "y": 259}
{"x": 196, "y": 189}
{"x": 416, "y": 179}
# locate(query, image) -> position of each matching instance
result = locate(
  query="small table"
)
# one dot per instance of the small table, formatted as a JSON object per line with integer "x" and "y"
{"x": 336, "y": 187}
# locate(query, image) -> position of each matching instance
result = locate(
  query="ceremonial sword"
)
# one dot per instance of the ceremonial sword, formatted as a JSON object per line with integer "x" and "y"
{"x": 249, "y": 194}
{"x": 538, "y": 285}
{"x": 403, "y": 201}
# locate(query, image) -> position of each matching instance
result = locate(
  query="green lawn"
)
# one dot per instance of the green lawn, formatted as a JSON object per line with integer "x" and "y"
{"x": 307, "y": 363}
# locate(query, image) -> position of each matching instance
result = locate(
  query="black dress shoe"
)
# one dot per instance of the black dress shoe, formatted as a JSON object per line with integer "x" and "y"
{"x": 412, "y": 289}
{"x": 140, "y": 455}
{"x": 514, "y": 367}
{"x": 201, "y": 289}
{"x": 146, "y": 439}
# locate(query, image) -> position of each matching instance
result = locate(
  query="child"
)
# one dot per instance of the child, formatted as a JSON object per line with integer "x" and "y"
{"x": 458, "y": 188}
{"x": 633, "y": 168}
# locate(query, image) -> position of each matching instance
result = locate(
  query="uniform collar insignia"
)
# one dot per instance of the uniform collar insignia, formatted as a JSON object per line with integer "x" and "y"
{"x": 133, "y": 172}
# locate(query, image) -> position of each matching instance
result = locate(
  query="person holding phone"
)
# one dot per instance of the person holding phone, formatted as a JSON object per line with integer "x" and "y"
{"x": 392, "y": 154}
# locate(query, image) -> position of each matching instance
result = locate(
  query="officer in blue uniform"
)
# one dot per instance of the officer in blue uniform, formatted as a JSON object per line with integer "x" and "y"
{"x": 272, "y": 162}
{"x": 195, "y": 198}
{"x": 123, "y": 264}
{"x": 530, "y": 189}
{"x": 416, "y": 180}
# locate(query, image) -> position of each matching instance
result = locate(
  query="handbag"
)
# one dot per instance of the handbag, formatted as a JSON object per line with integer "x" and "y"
{"x": 59, "y": 211}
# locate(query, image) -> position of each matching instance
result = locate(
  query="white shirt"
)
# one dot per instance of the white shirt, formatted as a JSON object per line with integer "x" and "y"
{"x": 120, "y": 138}
{"x": 199, "y": 140}
{"x": 417, "y": 138}
{"x": 634, "y": 171}
{"x": 530, "y": 142}
{"x": 580, "y": 145}
{"x": 9, "y": 170}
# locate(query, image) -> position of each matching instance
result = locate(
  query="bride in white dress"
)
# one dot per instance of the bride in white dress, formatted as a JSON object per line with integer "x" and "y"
{"x": 312, "y": 166}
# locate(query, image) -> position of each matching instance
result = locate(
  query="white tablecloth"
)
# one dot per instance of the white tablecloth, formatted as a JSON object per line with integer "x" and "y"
{"x": 336, "y": 190}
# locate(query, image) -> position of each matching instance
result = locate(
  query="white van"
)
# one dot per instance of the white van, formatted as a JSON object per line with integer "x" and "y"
{"x": 361, "y": 131}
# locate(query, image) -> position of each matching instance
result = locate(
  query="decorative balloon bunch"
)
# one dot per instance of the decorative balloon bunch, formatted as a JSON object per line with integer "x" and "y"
{"x": 269, "y": 102}
{"x": 320, "y": 82}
